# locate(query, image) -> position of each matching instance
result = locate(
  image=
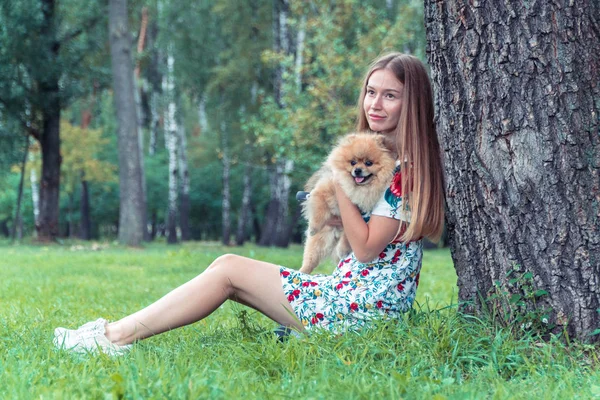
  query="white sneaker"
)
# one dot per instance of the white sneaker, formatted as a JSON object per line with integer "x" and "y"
{"x": 88, "y": 338}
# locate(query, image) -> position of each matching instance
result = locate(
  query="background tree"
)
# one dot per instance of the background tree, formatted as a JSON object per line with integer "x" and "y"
{"x": 132, "y": 202}
{"x": 44, "y": 57}
{"x": 517, "y": 98}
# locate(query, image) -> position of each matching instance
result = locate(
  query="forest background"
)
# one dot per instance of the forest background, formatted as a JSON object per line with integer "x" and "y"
{"x": 237, "y": 105}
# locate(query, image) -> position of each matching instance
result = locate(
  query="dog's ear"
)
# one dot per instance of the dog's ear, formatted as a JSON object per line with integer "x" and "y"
{"x": 388, "y": 143}
{"x": 344, "y": 140}
{"x": 382, "y": 141}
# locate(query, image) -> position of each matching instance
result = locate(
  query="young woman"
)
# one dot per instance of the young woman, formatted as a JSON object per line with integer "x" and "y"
{"x": 378, "y": 279}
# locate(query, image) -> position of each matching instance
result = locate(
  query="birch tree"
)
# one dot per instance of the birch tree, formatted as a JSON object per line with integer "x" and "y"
{"x": 171, "y": 142}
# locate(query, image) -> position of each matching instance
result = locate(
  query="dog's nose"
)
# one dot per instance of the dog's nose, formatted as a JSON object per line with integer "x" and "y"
{"x": 357, "y": 171}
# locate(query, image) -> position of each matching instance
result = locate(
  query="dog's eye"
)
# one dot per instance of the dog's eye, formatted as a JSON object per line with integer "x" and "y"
{"x": 352, "y": 162}
{"x": 368, "y": 163}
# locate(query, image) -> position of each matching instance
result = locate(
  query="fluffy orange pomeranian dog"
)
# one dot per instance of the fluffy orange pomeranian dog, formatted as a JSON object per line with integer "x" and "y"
{"x": 363, "y": 166}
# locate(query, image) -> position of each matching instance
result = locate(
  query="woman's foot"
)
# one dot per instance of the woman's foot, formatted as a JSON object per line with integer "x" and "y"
{"x": 88, "y": 338}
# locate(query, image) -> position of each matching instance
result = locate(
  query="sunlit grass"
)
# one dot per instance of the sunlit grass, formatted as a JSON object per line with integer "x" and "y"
{"x": 433, "y": 352}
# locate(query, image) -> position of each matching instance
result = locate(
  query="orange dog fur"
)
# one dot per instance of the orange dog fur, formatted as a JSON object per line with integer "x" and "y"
{"x": 363, "y": 167}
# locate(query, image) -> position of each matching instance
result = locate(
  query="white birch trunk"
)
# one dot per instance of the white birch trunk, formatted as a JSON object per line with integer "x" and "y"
{"x": 154, "y": 122}
{"x": 35, "y": 193}
{"x": 299, "y": 53}
{"x": 285, "y": 169}
{"x": 184, "y": 176}
{"x": 226, "y": 203}
{"x": 171, "y": 145}
{"x": 203, "y": 122}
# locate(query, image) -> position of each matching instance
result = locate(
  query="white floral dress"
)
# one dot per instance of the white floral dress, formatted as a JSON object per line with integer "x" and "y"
{"x": 357, "y": 292}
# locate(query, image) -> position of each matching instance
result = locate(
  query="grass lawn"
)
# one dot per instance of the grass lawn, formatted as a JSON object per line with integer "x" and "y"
{"x": 434, "y": 353}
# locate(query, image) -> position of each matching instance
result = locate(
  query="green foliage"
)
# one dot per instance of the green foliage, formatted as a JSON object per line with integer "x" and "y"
{"x": 341, "y": 39}
{"x": 514, "y": 304}
{"x": 223, "y": 52}
{"x": 433, "y": 353}
{"x": 80, "y": 161}
{"x": 35, "y": 50}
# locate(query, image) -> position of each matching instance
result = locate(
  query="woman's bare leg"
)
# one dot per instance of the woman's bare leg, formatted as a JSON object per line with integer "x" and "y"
{"x": 251, "y": 282}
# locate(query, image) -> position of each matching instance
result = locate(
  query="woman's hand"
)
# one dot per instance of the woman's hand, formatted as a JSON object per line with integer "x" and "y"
{"x": 335, "y": 222}
{"x": 366, "y": 240}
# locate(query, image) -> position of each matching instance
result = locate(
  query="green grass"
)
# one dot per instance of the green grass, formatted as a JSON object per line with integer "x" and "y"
{"x": 434, "y": 353}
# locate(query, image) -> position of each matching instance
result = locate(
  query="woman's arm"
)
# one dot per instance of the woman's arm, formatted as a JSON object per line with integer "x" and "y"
{"x": 366, "y": 240}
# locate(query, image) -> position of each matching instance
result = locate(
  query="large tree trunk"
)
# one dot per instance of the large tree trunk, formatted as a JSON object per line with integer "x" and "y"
{"x": 517, "y": 98}
{"x": 171, "y": 139}
{"x": 131, "y": 193}
{"x": 50, "y": 135}
{"x": 50, "y": 183}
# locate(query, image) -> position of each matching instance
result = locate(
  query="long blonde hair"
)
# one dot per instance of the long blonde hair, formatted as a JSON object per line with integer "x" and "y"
{"x": 416, "y": 144}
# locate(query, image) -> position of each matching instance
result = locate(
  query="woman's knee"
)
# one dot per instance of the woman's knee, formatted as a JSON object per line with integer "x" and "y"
{"x": 224, "y": 262}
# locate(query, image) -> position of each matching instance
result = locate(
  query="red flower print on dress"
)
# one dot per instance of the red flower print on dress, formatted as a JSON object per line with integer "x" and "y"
{"x": 285, "y": 273}
{"x": 291, "y": 297}
{"x": 314, "y": 283}
{"x": 319, "y": 316}
{"x": 396, "y": 186}
{"x": 379, "y": 304}
{"x": 354, "y": 306}
{"x": 339, "y": 286}
{"x": 400, "y": 286}
{"x": 305, "y": 284}
{"x": 365, "y": 272}
{"x": 349, "y": 274}
{"x": 396, "y": 256}
{"x": 382, "y": 254}
{"x": 417, "y": 279}
{"x": 296, "y": 293}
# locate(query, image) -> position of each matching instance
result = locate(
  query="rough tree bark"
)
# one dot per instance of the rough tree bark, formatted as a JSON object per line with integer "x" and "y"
{"x": 518, "y": 117}
{"x": 131, "y": 194}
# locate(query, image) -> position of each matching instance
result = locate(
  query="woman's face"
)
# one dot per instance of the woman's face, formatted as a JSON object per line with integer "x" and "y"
{"x": 383, "y": 101}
